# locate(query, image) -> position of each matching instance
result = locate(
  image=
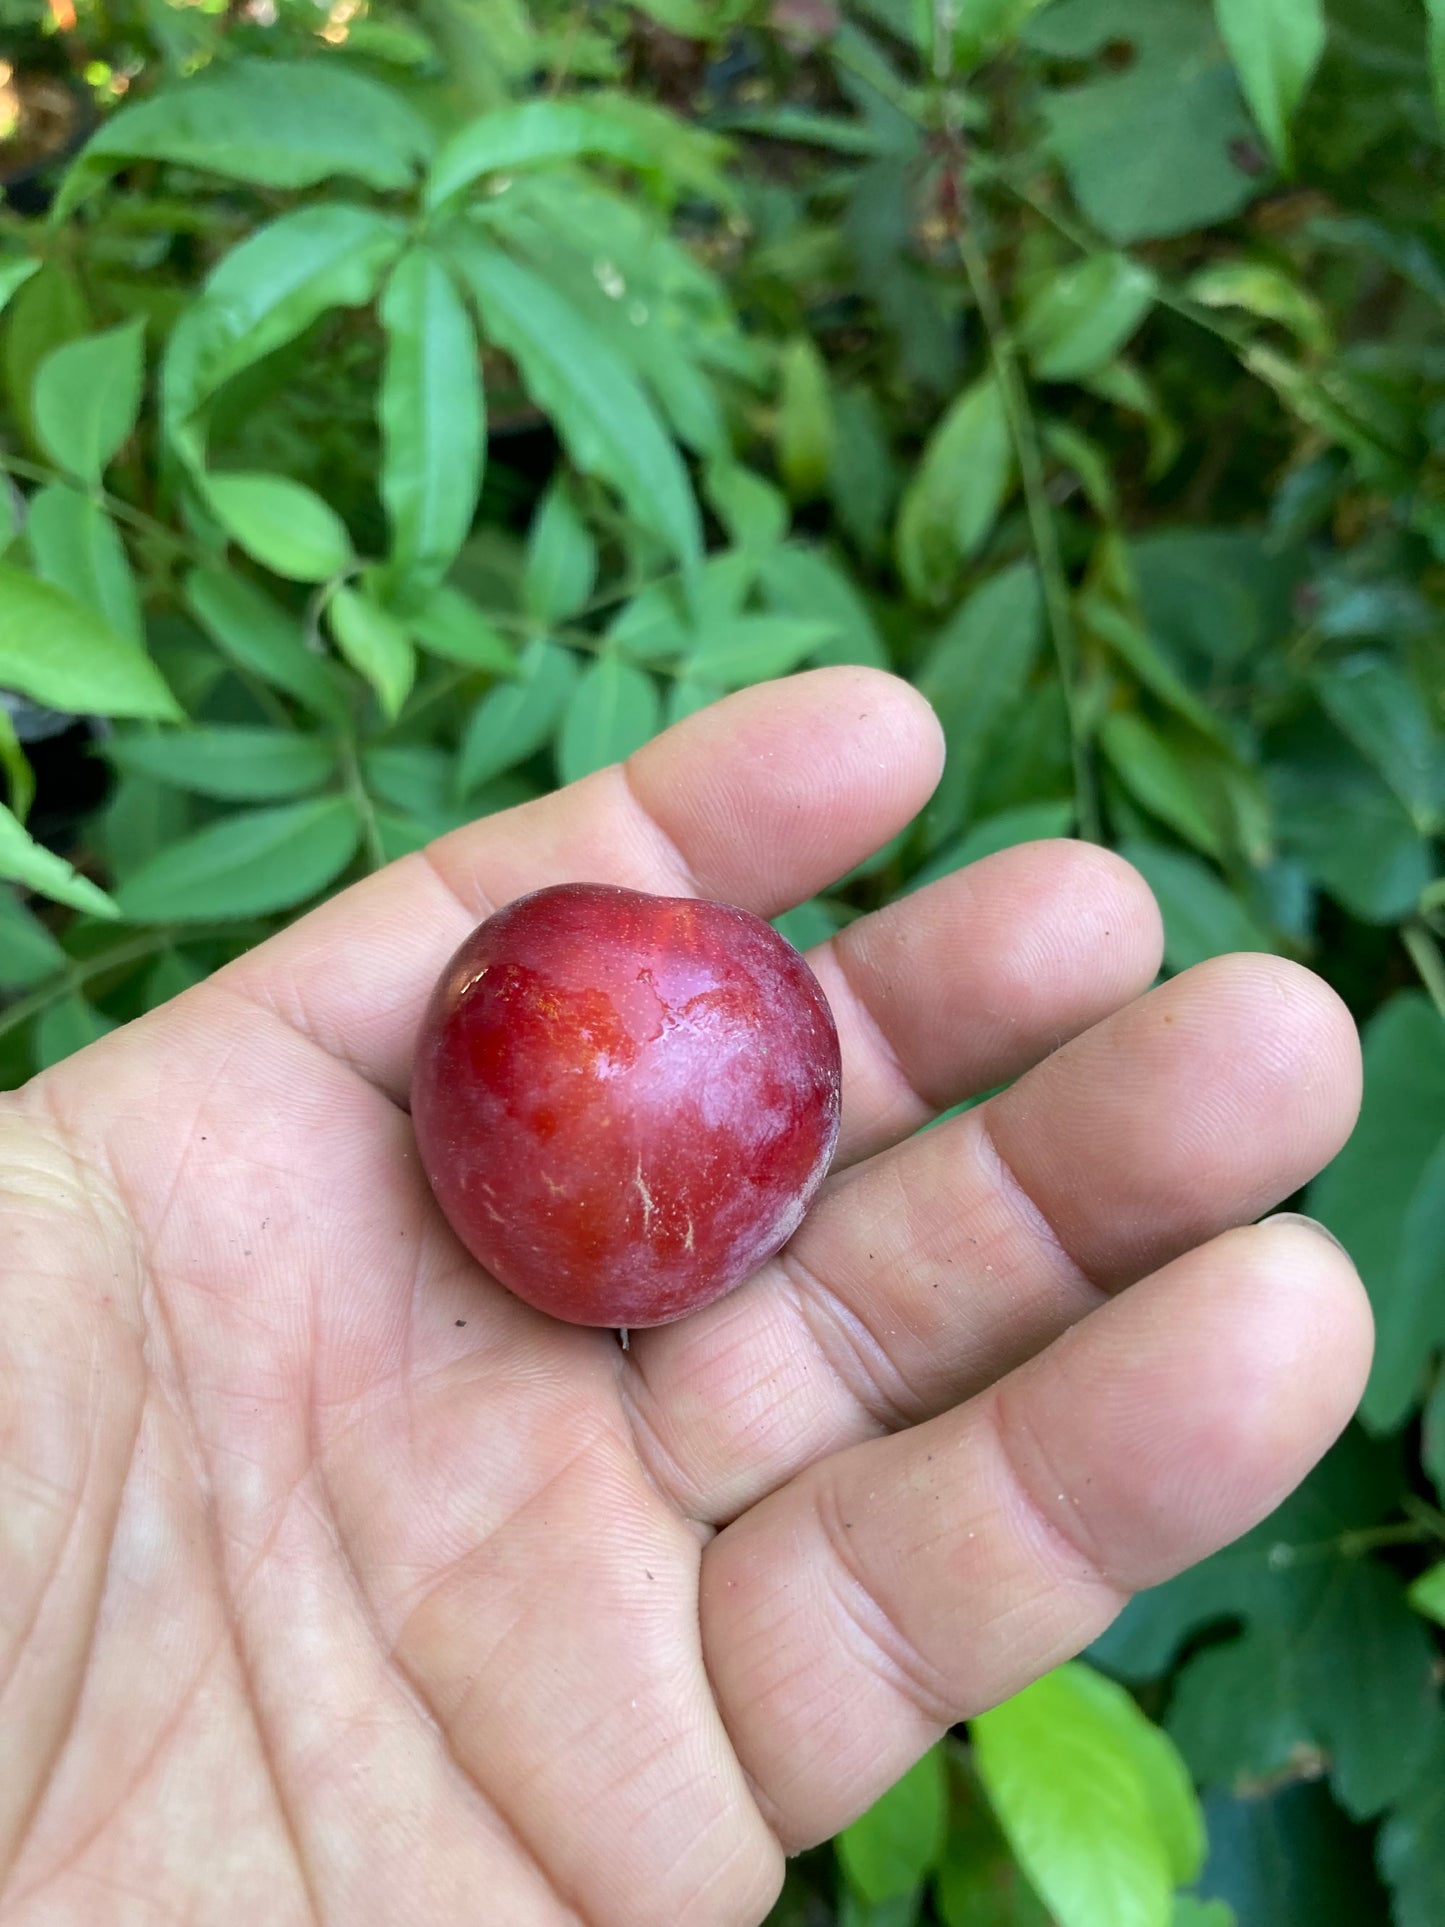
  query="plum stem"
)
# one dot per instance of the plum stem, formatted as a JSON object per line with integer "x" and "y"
{"x": 622, "y": 1334}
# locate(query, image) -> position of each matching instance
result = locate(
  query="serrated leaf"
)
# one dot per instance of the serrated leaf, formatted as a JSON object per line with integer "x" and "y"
{"x": 561, "y": 565}
{"x": 1154, "y": 775}
{"x": 1060, "y": 1765}
{"x": 238, "y": 762}
{"x": 268, "y": 290}
{"x": 962, "y": 481}
{"x": 432, "y": 425}
{"x": 25, "y": 861}
{"x": 1202, "y": 918}
{"x": 1081, "y": 318}
{"x": 262, "y": 638}
{"x": 281, "y": 524}
{"x": 535, "y": 133}
{"x": 59, "y": 652}
{"x": 1276, "y": 46}
{"x": 1371, "y": 1191}
{"x": 733, "y": 651}
{"x": 246, "y": 865}
{"x": 806, "y": 430}
{"x": 375, "y": 645}
{"x": 1249, "y": 1704}
{"x": 447, "y": 623}
{"x": 274, "y": 123}
{"x": 67, "y": 1026}
{"x": 613, "y": 710}
{"x": 74, "y": 544}
{"x": 975, "y": 674}
{"x": 28, "y": 952}
{"x": 892, "y": 1848}
{"x": 515, "y": 719}
{"x": 603, "y": 416}
{"x": 87, "y": 397}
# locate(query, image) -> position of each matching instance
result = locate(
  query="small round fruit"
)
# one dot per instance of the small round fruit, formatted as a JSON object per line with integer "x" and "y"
{"x": 625, "y": 1103}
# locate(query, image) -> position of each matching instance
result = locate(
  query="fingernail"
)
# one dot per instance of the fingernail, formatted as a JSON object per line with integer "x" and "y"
{"x": 1310, "y": 1224}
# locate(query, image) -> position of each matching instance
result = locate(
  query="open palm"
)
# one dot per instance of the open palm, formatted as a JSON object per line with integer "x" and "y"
{"x": 340, "y": 1586}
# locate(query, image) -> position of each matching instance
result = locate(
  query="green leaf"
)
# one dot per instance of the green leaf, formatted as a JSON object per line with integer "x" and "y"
{"x": 58, "y": 652}
{"x": 1189, "y": 1912}
{"x": 1082, "y": 318}
{"x": 1276, "y": 46}
{"x": 1136, "y": 647}
{"x": 688, "y": 695}
{"x": 561, "y": 563}
{"x": 28, "y": 952}
{"x": 375, "y": 645}
{"x": 1380, "y": 1186}
{"x": 433, "y": 432}
{"x": 1202, "y": 918}
{"x": 979, "y": 1883}
{"x": 269, "y": 290}
{"x": 601, "y": 413}
{"x": 536, "y": 133}
{"x": 50, "y": 308}
{"x": 65, "y": 1027}
{"x": 239, "y": 762}
{"x": 754, "y": 513}
{"x": 897, "y": 1843}
{"x": 1286, "y": 1857}
{"x": 1435, "y": 13}
{"x": 1384, "y": 715}
{"x": 1432, "y": 1443}
{"x": 75, "y": 545}
{"x": 15, "y": 272}
{"x": 1063, "y": 1769}
{"x": 613, "y": 710}
{"x": 1330, "y": 1658}
{"x": 733, "y": 651}
{"x": 1149, "y": 768}
{"x": 274, "y": 123}
{"x": 1151, "y": 151}
{"x": 806, "y": 582}
{"x": 447, "y": 623}
{"x": 962, "y": 482}
{"x": 512, "y": 721}
{"x": 1029, "y": 823}
{"x": 262, "y": 638}
{"x": 1412, "y": 1846}
{"x": 281, "y": 524}
{"x": 806, "y": 431}
{"x": 1427, "y": 1594}
{"x": 983, "y": 27}
{"x": 1340, "y": 819}
{"x": 246, "y": 865}
{"x": 1266, "y": 291}
{"x": 975, "y": 675}
{"x": 23, "y": 860}
{"x": 808, "y": 924}
{"x": 87, "y": 397}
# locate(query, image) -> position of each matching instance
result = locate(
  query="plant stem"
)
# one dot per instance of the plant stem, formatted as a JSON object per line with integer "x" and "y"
{"x": 361, "y": 796}
{"x": 1425, "y": 955}
{"x": 1023, "y": 432}
{"x": 122, "y": 511}
{"x": 80, "y": 971}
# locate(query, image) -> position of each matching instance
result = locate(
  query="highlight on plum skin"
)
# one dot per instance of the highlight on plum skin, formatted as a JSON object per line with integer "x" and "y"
{"x": 625, "y": 1103}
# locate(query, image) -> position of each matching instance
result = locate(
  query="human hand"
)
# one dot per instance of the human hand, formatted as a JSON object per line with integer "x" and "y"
{"x": 339, "y": 1585}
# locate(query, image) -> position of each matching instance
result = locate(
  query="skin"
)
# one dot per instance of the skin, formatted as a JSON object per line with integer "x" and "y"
{"x": 341, "y": 1586}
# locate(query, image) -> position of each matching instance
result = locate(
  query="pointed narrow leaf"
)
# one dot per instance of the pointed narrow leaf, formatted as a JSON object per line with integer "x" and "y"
{"x": 375, "y": 645}
{"x": 28, "y": 952}
{"x": 561, "y": 559}
{"x": 25, "y": 861}
{"x": 512, "y": 721}
{"x": 1266, "y": 291}
{"x": 613, "y": 710}
{"x": 246, "y": 865}
{"x": 274, "y": 123}
{"x": 281, "y": 524}
{"x": 269, "y": 289}
{"x": 432, "y": 429}
{"x": 236, "y": 761}
{"x": 448, "y": 623}
{"x": 806, "y": 429}
{"x": 804, "y": 582}
{"x": 962, "y": 481}
{"x": 74, "y": 544}
{"x": 599, "y": 409}
{"x": 1147, "y": 766}
{"x": 261, "y": 637}
{"x": 1201, "y": 917}
{"x": 87, "y": 396}
{"x": 1276, "y": 46}
{"x": 533, "y": 134}
{"x": 59, "y": 652}
{"x": 738, "y": 650}
{"x": 1082, "y": 318}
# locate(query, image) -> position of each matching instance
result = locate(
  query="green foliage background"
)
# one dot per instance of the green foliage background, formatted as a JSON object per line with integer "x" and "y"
{"x": 407, "y": 408}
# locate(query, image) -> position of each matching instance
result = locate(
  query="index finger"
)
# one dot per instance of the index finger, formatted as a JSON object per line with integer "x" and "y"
{"x": 761, "y": 800}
